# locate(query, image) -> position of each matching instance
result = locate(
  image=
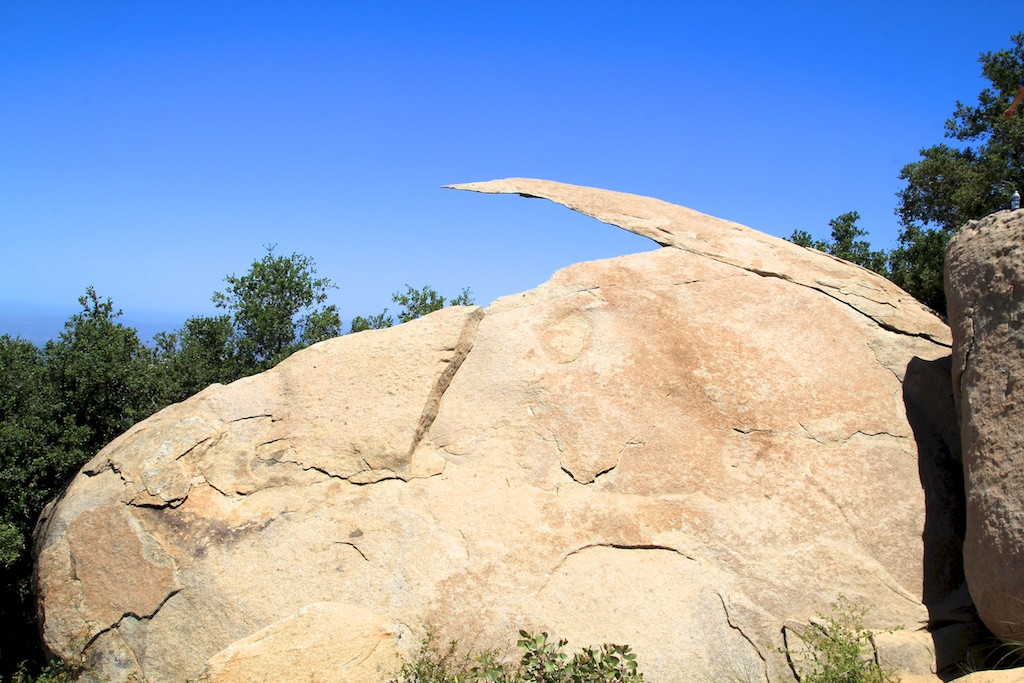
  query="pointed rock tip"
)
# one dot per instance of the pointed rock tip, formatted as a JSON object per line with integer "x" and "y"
{"x": 671, "y": 225}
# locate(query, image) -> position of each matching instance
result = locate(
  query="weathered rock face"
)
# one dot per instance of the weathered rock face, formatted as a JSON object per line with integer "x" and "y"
{"x": 985, "y": 294}
{"x": 685, "y": 450}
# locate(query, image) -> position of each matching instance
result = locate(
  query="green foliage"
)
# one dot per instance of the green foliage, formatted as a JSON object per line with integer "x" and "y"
{"x": 273, "y": 310}
{"x": 100, "y": 371}
{"x": 373, "y": 322}
{"x": 415, "y": 303}
{"x": 199, "y": 354}
{"x": 839, "y": 650}
{"x": 58, "y": 672}
{"x": 953, "y": 184}
{"x": 916, "y": 265}
{"x": 845, "y": 245}
{"x": 541, "y": 662}
{"x": 39, "y": 443}
{"x": 58, "y": 406}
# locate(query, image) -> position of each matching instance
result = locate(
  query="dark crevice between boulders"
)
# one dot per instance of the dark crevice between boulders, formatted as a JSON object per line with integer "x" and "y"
{"x": 957, "y": 632}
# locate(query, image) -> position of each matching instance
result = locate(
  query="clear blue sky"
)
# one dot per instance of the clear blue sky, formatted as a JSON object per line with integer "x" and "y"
{"x": 151, "y": 148}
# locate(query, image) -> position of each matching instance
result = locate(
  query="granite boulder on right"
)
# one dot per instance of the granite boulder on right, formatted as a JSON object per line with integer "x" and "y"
{"x": 984, "y": 278}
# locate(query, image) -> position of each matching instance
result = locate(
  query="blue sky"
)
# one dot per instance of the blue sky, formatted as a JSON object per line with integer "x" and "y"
{"x": 151, "y": 148}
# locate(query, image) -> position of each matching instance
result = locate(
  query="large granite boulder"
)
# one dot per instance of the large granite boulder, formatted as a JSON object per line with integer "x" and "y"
{"x": 985, "y": 294}
{"x": 688, "y": 451}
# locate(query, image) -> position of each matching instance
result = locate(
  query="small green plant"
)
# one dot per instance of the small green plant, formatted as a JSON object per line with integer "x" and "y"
{"x": 545, "y": 662}
{"x": 839, "y": 650}
{"x": 542, "y": 661}
{"x": 434, "y": 664}
{"x": 58, "y": 672}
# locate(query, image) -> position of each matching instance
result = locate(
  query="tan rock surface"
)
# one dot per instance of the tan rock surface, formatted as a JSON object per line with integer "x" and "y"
{"x": 321, "y": 643}
{"x": 682, "y": 450}
{"x": 985, "y": 293}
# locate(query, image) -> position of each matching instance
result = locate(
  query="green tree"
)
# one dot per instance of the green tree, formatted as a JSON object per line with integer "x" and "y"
{"x": 199, "y": 354}
{"x": 102, "y": 372}
{"x": 845, "y": 245}
{"x": 415, "y": 303}
{"x": 274, "y": 312}
{"x": 954, "y": 183}
{"x": 40, "y": 448}
{"x": 40, "y": 444}
{"x": 372, "y": 322}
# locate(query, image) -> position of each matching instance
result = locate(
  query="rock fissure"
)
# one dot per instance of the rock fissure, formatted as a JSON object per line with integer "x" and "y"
{"x": 787, "y": 650}
{"x": 192, "y": 448}
{"x": 755, "y": 430}
{"x": 739, "y": 629}
{"x": 597, "y": 474}
{"x": 251, "y": 417}
{"x": 623, "y": 546}
{"x": 215, "y": 488}
{"x": 388, "y": 475}
{"x": 861, "y": 432}
{"x": 881, "y": 323}
{"x": 153, "y": 505}
{"x": 130, "y": 615}
{"x": 354, "y": 547}
{"x": 433, "y": 403}
{"x": 836, "y": 441}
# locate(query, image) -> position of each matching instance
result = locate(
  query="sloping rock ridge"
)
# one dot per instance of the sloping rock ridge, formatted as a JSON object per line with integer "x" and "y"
{"x": 985, "y": 294}
{"x": 689, "y": 451}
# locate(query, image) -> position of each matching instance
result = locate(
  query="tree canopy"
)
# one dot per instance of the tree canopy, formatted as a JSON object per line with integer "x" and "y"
{"x": 950, "y": 185}
{"x": 273, "y": 308}
{"x": 415, "y": 303}
{"x": 845, "y": 245}
{"x": 955, "y": 183}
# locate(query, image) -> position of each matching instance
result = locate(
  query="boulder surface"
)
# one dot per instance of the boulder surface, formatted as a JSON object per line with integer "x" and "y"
{"x": 689, "y": 451}
{"x": 985, "y": 295}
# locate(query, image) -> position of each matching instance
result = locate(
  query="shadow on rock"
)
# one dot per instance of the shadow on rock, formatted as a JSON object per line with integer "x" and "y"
{"x": 958, "y": 635}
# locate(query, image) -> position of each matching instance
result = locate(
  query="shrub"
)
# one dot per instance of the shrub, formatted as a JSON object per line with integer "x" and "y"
{"x": 839, "y": 650}
{"x": 542, "y": 661}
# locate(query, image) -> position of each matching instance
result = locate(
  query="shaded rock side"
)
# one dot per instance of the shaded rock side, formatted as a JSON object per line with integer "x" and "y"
{"x": 679, "y": 450}
{"x": 985, "y": 295}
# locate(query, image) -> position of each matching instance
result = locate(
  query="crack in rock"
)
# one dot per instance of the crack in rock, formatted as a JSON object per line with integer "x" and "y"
{"x": 838, "y": 441}
{"x": 354, "y": 547}
{"x": 459, "y": 354}
{"x": 634, "y": 441}
{"x": 739, "y": 629}
{"x": 130, "y": 615}
{"x": 787, "y": 650}
{"x": 619, "y": 546}
{"x": 881, "y": 323}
